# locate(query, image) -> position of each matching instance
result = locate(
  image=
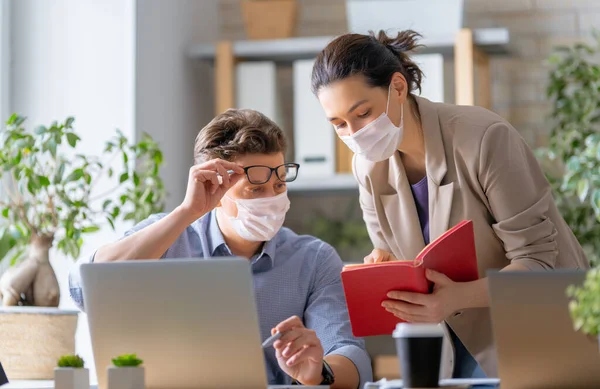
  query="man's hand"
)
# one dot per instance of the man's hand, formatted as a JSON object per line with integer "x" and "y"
{"x": 299, "y": 352}
{"x": 378, "y": 255}
{"x": 427, "y": 308}
{"x": 204, "y": 190}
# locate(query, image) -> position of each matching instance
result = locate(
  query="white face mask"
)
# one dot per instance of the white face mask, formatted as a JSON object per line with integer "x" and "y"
{"x": 259, "y": 220}
{"x": 378, "y": 140}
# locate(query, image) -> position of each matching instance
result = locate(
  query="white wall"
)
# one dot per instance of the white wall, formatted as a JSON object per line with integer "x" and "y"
{"x": 174, "y": 95}
{"x": 76, "y": 57}
{"x": 114, "y": 64}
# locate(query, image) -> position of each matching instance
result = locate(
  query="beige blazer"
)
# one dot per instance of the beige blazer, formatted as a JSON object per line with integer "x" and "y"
{"x": 478, "y": 168}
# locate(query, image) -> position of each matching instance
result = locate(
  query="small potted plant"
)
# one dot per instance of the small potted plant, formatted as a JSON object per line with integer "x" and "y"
{"x": 584, "y": 306}
{"x": 126, "y": 373}
{"x": 70, "y": 373}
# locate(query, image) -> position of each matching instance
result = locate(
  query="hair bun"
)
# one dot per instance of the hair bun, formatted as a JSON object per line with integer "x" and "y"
{"x": 405, "y": 41}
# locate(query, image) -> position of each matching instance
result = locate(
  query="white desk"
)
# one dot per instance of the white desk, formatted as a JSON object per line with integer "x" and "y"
{"x": 40, "y": 384}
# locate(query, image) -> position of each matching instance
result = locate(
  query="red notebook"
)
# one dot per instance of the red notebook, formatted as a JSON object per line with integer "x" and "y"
{"x": 366, "y": 285}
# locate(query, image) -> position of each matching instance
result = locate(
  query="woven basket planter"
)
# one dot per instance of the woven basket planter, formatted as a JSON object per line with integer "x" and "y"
{"x": 270, "y": 19}
{"x": 33, "y": 339}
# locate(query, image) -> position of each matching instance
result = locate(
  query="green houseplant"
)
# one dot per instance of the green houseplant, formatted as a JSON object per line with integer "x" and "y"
{"x": 584, "y": 306}
{"x": 127, "y": 360}
{"x": 73, "y": 361}
{"x": 348, "y": 234}
{"x": 51, "y": 201}
{"x": 127, "y": 372}
{"x": 71, "y": 373}
{"x": 574, "y": 150}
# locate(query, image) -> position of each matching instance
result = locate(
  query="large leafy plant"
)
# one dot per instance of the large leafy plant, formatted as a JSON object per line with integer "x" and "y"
{"x": 51, "y": 199}
{"x": 584, "y": 306}
{"x": 574, "y": 91}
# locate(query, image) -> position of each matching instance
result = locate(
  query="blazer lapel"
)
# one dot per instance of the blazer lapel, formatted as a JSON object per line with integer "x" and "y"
{"x": 401, "y": 213}
{"x": 440, "y": 195}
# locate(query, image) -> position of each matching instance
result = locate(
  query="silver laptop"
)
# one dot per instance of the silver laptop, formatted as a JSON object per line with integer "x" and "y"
{"x": 536, "y": 344}
{"x": 193, "y": 322}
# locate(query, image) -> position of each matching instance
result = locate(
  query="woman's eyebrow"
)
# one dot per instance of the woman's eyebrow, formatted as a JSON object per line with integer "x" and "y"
{"x": 356, "y": 105}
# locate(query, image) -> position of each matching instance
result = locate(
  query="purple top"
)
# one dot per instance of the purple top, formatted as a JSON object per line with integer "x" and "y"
{"x": 419, "y": 191}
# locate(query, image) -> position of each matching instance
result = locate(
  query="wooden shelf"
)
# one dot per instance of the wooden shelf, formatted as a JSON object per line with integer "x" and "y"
{"x": 488, "y": 40}
{"x": 471, "y": 51}
{"x": 339, "y": 182}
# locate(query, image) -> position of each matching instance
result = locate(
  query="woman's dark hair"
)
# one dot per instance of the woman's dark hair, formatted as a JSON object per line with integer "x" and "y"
{"x": 376, "y": 58}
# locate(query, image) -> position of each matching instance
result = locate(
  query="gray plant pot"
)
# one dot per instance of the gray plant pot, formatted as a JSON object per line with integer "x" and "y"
{"x": 71, "y": 378}
{"x": 126, "y": 377}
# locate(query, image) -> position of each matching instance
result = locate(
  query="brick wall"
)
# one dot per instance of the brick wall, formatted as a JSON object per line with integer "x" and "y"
{"x": 519, "y": 81}
{"x": 536, "y": 26}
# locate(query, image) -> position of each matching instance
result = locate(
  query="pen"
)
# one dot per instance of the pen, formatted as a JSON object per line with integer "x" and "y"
{"x": 271, "y": 340}
{"x": 219, "y": 177}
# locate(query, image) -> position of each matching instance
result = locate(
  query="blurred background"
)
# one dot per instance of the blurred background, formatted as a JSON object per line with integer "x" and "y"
{"x": 165, "y": 67}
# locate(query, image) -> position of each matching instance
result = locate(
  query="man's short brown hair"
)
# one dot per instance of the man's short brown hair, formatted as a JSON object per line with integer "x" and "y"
{"x": 238, "y": 132}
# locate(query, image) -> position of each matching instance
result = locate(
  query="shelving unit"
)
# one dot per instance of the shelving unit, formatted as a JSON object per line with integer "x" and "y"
{"x": 471, "y": 50}
{"x": 339, "y": 182}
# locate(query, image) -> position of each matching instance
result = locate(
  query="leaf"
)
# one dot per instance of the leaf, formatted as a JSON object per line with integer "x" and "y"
{"x": 75, "y": 175}
{"x": 44, "y": 181}
{"x": 52, "y": 147}
{"x": 5, "y": 243}
{"x": 583, "y": 188}
{"x": 31, "y": 187}
{"x": 69, "y": 122}
{"x": 59, "y": 173}
{"x": 90, "y": 229}
{"x": 596, "y": 203}
{"x": 111, "y": 222}
{"x": 110, "y": 172}
{"x": 106, "y": 204}
{"x": 136, "y": 179}
{"x": 124, "y": 177}
{"x": 18, "y": 254}
{"x": 40, "y": 130}
{"x": 5, "y": 212}
{"x": 125, "y": 158}
{"x": 72, "y": 139}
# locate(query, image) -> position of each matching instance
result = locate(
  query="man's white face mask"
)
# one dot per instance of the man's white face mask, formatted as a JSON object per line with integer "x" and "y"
{"x": 259, "y": 220}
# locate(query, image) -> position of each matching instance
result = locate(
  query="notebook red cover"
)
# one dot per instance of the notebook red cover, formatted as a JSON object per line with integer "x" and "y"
{"x": 366, "y": 285}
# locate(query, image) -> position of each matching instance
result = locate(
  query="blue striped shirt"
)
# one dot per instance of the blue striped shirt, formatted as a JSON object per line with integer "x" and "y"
{"x": 293, "y": 275}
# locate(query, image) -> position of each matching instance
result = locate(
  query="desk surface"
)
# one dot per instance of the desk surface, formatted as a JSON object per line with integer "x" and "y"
{"x": 41, "y": 384}
{"x": 487, "y": 383}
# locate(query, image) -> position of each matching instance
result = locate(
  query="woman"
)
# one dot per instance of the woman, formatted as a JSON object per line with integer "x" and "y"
{"x": 423, "y": 167}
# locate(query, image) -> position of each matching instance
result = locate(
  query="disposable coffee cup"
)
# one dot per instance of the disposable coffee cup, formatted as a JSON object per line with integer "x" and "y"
{"x": 419, "y": 348}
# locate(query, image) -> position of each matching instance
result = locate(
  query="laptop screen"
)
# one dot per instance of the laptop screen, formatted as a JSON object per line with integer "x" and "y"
{"x": 3, "y": 379}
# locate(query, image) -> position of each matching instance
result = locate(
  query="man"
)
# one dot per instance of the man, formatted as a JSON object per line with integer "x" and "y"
{"x": 235, "y": 204}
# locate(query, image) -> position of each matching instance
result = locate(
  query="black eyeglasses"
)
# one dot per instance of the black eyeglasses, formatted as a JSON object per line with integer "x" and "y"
{"x": 259, "y": 174}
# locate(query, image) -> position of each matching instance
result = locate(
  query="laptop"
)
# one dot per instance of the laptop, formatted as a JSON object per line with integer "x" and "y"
{"x": 193, "y": 322}
{"x": 536, "y": 344}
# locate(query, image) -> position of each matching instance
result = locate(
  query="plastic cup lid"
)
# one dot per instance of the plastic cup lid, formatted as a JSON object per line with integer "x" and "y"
{"x": 414, "y": 330}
